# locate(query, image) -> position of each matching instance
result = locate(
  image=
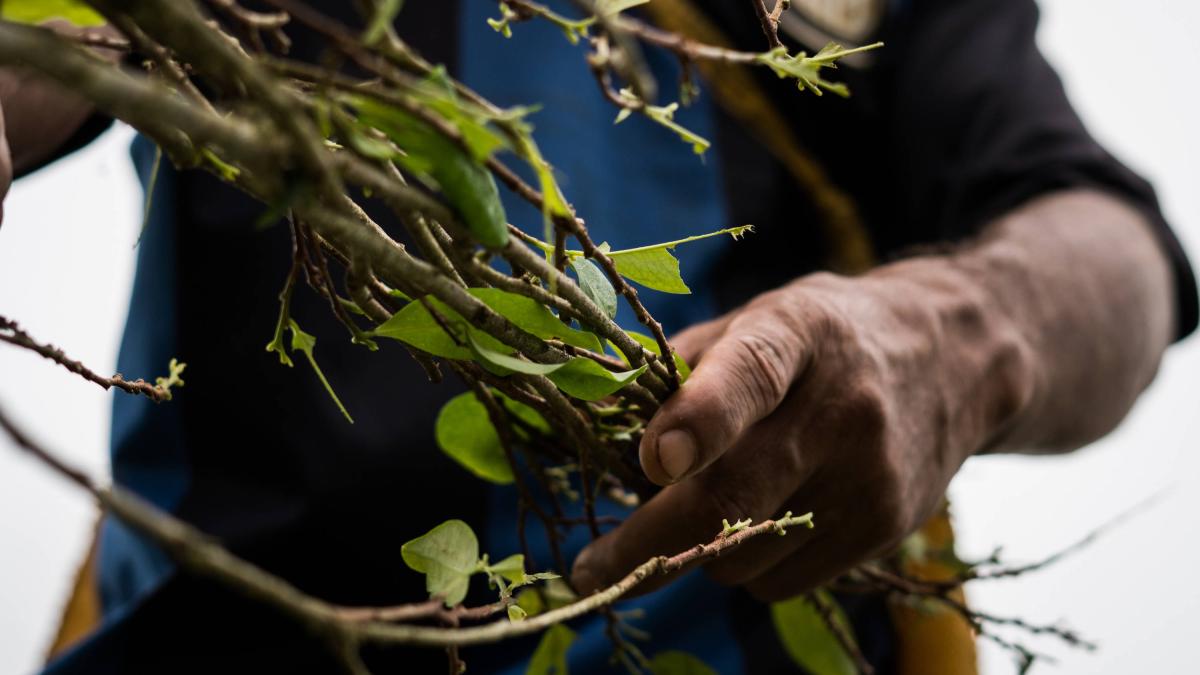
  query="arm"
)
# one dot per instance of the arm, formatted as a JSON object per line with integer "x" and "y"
{"x": 37, "y": 118}
{"x": 859, "y": 398}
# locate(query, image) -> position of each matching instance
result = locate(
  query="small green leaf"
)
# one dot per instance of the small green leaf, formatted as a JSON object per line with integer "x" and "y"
{"x": 808, "y": 640}
{"x": 465, "y": 433}
{"x": 174, "y": 377}
{"x": 523, "y": 412}
{"x": 587, "y": 380}
{"x": 653, "y": 268}
{"x": 414, "y": 325}
{"x": 516, "y": 613}
{"x": 550, "y": 657}
{"x": 305, "y": 342}
{"x": 678, "y": 663}
{"x": 595, "y": 285}
{"x": 431, "y": 156}
{"x": 650, "y": 343}
{"x": 533, "y": 317}
{"x": 40, "y": 11}
{"x": 530, "y": 601}
{"x": 448, "y": 555}
{"x": 806, "y": 70}
{"x": 369, "y": 146}
{"x": 227, "y": 171}
{"x": 499, "y": 363}
{"x": 511, "y": 568}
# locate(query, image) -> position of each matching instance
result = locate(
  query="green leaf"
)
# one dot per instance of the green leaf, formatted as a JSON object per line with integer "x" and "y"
{"x": 227, "y": 171}
{"x": 523, "y": 412}
{"x": 433, "y": 157}
{"x": 385, "y": 14}
{"x": 678, "y": 663}
{"x": 465, "y": 433}
{"x": 174, "y": 377}
{"x": 305, "y": 342}
{"x": 806, "y": 70}
{"x": 511, "y": 568}
{"x": 595, "y": 285}
{"x": 448, "y": 555}
{"x": 414, "y": 325}
{"x": 499, "y": 363}
{"x": 653, "y": 268}
{"x": 650, "y": 343}
{"x": 550, "y": 657}
{"x": 533, "y": 317}
{"x": 587, "y": 380}
{"x": 370, "y": 146}
{"x": 516, "y": 613}
{"x": 40, "y": 11}
{"x": 808, "y": 640}
{"x": 436, "y": 91}
{"x": 665, "y": 116}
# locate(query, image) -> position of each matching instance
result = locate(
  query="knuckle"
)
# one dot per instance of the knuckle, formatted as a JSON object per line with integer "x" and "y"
{"x": 766, "y": 369}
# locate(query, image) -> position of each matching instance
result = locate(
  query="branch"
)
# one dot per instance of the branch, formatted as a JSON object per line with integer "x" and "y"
{"x": 895, "y": 583}
{"x": 770, "y": 20}
{"x": 840, "y": 631}
{"x": 200, "y": 554}
{"x": 11, "y": 333}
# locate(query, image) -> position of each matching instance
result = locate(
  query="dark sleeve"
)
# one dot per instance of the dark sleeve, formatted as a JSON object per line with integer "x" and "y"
{"x": 980, "y": 123}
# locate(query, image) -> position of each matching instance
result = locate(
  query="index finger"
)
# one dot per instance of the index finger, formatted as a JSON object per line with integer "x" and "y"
{"x": 676, "y": 519}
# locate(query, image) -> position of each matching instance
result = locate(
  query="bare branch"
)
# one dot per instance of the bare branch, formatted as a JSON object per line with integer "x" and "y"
{"x": 11, "y": 333}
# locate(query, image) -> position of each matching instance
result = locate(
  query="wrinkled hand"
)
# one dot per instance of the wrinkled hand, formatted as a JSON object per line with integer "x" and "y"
{"x": 854, "y": 398}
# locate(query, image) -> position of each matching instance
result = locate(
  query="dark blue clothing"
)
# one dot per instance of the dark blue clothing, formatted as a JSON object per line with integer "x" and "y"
{"x": 959, "y": 120}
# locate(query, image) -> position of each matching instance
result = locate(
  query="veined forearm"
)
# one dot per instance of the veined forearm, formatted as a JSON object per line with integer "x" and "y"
{"x": 1080, "y": 309}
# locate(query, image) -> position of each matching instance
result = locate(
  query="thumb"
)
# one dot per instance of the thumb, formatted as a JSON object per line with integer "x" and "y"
{"x": 742, "y": 379}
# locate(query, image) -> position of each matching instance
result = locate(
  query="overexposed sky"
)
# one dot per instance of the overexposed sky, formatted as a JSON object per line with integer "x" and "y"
{"x": 66, "y": 263}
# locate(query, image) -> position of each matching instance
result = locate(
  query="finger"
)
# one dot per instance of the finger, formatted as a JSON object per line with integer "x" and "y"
{"x": 849, "y": 530}
{"x": 742, "y": 378}
{"x": 691, "y": 344}
{"x": 815, "y": 562}
{"x": 676, "y": 519}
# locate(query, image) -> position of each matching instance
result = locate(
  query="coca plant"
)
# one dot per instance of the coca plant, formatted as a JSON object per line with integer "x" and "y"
{"x": 558, "y": 392}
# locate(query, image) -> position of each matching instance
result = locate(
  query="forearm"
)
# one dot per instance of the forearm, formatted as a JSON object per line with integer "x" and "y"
{"x": 38, "y": 117}
{"x": 1056, "y": 320}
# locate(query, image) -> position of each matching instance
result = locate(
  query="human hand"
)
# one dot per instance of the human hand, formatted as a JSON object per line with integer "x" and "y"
{"x": 854, "y": 398}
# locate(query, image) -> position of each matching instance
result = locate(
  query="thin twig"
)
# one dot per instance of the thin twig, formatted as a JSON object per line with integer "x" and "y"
{"x": 12, "y": 333}
{"x": 200, "y": 554}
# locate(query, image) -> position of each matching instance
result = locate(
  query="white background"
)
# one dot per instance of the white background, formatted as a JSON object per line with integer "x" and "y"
{"x": 66, "y": 264}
